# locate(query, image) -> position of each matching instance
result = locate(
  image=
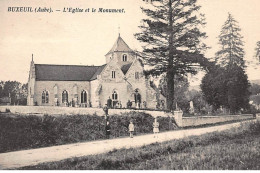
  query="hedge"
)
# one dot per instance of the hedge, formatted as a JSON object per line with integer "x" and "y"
{"x": 19, "y": 132}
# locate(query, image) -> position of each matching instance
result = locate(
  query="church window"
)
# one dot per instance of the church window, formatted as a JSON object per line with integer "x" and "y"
{"x": 45, "y": 97}
{"x": 114, "y": 95}
{"x": 83, "y": 96}
{"x": 64, "y": 96}
{"x": 113, "y": 74}
{"x": 124, "y": 57}
{"x": 136, "y": 75}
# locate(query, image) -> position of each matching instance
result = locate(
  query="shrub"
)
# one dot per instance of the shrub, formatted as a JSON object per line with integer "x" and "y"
{"x": 23, "y": 132}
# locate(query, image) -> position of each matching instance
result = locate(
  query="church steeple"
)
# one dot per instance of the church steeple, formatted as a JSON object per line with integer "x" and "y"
{"x": 120, "y": 46}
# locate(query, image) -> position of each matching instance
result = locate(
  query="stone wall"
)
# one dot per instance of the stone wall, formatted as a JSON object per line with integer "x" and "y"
{"x": 73, "y": 111}
{"x": 201, "y": 120}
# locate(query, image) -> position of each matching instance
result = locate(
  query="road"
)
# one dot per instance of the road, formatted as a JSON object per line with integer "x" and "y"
{"x": 23, "y": 158}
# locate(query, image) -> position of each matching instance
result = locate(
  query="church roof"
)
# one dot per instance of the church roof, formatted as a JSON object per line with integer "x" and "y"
{"x": 46, "y": 72}
{"x": 120, "y": 46}
{"x": 125, "y": 68}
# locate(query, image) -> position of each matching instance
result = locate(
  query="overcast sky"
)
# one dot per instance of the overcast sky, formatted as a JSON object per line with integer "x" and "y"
{"x": 84, "y": 38}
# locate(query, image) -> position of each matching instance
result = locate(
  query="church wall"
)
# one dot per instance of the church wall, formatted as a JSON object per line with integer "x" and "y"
{"x": 93, "y": 89}
{"x": 40, "y": 86}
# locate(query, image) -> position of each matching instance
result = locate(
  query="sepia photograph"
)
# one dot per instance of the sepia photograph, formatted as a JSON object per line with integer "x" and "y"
{"x": 130, "y": 85}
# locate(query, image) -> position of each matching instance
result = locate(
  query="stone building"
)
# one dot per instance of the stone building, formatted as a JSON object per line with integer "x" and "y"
{"x": 121, "y": 79}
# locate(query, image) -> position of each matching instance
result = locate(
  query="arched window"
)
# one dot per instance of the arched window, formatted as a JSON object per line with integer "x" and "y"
{"x": 45, "y": 97}
{"x": 83, "y": 96}
{"x": 124, "y": 57}
{"x": 114, "y": 95}
{"x": 64, "y": 96}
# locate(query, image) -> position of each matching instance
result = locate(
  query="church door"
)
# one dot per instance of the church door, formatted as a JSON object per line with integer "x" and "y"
{"x": 114, "y": 98}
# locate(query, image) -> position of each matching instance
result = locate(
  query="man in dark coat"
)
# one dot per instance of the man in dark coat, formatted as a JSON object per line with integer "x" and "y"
{"x": 109, "y": 102}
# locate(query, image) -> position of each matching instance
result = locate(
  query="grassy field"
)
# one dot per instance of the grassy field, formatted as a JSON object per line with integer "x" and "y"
{"x": 234, "y": 149}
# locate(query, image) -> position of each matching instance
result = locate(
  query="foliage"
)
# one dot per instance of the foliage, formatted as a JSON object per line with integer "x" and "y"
{"x": 227, "y": 83}
{"x": 198, "y": 100}
{"x": 232, "y": 149}
{"x": 231, "y": 51}
{"x": 181, "y": 86}
{"x": 17, "y": 91}
{"x": 172, "y": 40}
{"x": 22, "y": 132}
{"x": 226, "y": 87}
{"x": 254, "y": 89}
{"x": 213, "y": 87}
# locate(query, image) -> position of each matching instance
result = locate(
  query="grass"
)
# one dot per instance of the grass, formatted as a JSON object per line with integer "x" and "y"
{"x": 234, "y": 149}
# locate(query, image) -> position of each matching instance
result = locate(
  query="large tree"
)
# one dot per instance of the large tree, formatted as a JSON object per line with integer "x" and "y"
{"x": 230, "y": 39}
{"x": 172, "y": 35}
{"x": 181, "y": 86}
{"x": 227, "y": 84}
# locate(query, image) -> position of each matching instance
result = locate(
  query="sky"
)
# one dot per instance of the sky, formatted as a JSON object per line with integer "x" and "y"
{"x": 84, "y": 38}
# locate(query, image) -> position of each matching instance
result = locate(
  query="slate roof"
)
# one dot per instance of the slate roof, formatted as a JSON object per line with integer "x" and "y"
{"x": 120, "y": 46}
{"x": 125, "y": 68}
{"x": 46, "y": 72}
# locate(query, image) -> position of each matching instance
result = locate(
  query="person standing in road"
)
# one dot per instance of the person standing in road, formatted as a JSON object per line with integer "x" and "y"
{"x": 131, "y": 129}
{"x": 107, "y": 130}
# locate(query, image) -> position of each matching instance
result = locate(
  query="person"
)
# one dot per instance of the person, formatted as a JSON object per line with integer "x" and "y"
{"x": 105, "y": 109}
{"x": 109, "y": 102}
{"x": 155, "y": 128}
{"x": 129, "y": 104}
{"x": 107, "y": 130}
{"x": 131, "y": 129}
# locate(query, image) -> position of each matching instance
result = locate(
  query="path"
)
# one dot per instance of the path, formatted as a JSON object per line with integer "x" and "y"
{"x": 23, "y": 158}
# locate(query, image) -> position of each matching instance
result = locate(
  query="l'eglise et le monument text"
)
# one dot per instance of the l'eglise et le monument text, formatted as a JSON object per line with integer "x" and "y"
{"x": 121, "y": 80}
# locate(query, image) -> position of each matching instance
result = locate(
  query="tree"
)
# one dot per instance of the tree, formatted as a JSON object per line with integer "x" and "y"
{"x": 257, "y": 51}
{"x": 231, "y": 44}
{"x": 181, "y": 86}
{"x": 214, "y": 88}
{"x": 227, "y": 84}
{"x": 198, "y": 101}
{"x": 254, "y": 89}
{"x": 14, "y": 89}
{"x": 237, "y": 88}
{"x": 172, "y": 35}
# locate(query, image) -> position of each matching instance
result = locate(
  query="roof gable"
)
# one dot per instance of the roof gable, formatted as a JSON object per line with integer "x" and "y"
{"x": 120, "y": 46}
{"x": 45, "y": 72}
{"x": 125, "y": 68}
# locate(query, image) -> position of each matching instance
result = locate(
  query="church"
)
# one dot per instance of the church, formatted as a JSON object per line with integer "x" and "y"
{"x": 121, "y": 80}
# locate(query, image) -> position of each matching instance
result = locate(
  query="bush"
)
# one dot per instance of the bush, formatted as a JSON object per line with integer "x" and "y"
{"x": 23, "y": 132}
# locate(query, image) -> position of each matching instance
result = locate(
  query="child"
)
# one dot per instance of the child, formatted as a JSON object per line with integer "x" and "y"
{"x": 155, "y": 128}
{"x": 131, "y": 129}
